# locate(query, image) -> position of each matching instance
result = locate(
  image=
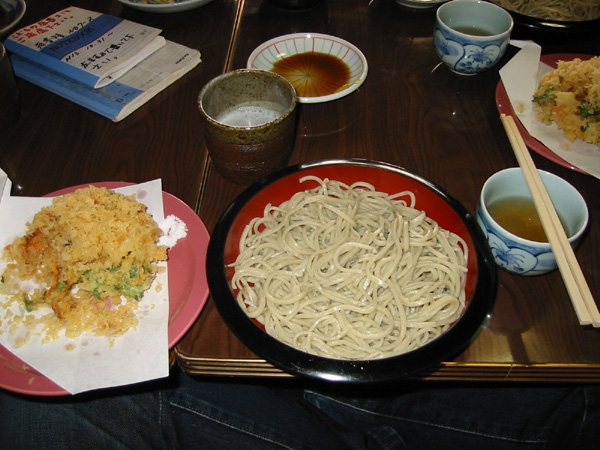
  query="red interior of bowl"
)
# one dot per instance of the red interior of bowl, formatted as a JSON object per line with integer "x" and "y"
{"x": 383, "y": 180}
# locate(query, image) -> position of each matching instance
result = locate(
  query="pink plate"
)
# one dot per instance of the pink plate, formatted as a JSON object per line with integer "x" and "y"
{"x": 504, "y": 107}
{"x": 188, "y": 292}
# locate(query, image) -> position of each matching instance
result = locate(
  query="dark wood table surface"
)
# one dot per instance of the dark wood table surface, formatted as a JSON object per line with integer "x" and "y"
{"x": 411, "y": 112}
{"x": 57, "y": 143}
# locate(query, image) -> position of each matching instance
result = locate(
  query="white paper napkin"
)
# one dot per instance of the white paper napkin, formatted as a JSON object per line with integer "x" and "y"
{"x": 95, "y": 362}
{"x": 520, "y": 77}
{"x": 5, "y": 185}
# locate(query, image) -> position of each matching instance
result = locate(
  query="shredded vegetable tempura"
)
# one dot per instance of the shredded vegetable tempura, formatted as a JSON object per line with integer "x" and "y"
{"x": 89, "y": 256}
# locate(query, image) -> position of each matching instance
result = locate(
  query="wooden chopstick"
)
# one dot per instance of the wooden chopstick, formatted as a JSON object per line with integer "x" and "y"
{"x": 579, "y": 291}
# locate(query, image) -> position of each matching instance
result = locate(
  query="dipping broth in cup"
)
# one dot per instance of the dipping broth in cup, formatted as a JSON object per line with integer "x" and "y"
{"x": 510, "y": 222}
{"x": 471, "y": 36}
{"x": 519, "y": 216}
{"x": 473, "y": 30}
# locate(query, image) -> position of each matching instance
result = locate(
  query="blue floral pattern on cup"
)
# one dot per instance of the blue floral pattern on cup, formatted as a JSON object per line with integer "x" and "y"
{"x": 511, "y": 258}
{"x": 466, "y": 57}
{"x": 514, "y": 256}
{"x": 518, "y": 255}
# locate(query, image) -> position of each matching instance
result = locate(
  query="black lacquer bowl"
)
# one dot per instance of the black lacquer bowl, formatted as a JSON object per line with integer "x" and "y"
{"x": 448, "y": 212}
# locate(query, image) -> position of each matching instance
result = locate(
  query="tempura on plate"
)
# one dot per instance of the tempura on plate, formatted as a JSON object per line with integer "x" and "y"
{"x": 570, "y": 97}
{"x": 83, "y": 265}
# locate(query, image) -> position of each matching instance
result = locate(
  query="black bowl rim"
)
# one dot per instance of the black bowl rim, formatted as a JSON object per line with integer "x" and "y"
{"x": 298, "y": 362}
{"x": 555, "y": 26}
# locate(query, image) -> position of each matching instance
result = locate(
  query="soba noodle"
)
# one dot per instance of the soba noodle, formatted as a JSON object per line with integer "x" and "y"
{"x": 347, "y": 272}
{"x": 559, "y": 10}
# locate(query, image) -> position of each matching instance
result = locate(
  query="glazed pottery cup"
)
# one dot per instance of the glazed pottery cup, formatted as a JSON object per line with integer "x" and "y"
{"x": 249, "y": 122}
{"x": 513, "y": 253}
{"x": 471, "y": 36}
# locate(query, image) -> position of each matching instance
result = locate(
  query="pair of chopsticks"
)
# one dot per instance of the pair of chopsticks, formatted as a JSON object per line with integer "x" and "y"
{"x": 579, "y": 291}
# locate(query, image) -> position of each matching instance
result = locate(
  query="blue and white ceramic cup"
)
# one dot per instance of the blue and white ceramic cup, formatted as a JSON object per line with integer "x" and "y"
{"x": 522, "y": 256}
{"x": 471, "y": 36}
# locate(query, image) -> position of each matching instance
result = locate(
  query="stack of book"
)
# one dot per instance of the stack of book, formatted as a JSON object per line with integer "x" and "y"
{"x": 107, "y": 64}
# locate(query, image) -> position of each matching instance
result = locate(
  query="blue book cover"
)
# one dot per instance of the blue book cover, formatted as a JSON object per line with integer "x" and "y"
{"x": 120, "y": 98}
{"x": 93, "y": 48}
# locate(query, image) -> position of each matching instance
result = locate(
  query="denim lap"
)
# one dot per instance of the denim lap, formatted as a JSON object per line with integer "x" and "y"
{"x": 458, "y": 417}
{"x": 194, "y": 412}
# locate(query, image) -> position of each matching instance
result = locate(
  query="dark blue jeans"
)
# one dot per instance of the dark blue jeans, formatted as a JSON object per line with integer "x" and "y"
{"x": 188, "y": 412}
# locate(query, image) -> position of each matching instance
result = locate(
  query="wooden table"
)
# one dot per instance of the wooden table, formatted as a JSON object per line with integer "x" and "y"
{"x": 411, "y": 112}
{"x": 418, "y": 115}
{"x": 57, "y": 143}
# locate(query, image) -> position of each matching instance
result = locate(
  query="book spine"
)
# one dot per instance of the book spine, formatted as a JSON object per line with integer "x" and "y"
{"x": 108, "y": 101}
{"x": 52, "y": 63}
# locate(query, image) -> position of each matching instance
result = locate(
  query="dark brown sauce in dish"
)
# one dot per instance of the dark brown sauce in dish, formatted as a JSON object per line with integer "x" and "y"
{"x": 314, "y": 74}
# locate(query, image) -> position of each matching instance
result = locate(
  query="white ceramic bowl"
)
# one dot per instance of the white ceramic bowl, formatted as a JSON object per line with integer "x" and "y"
{"x": 266, "y": 55}
{"x": 15, "y": 9}
{"x": 522, "y": 256}
{"x": 181, "y": 5}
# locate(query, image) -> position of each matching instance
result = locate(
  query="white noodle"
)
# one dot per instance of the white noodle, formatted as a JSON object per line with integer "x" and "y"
{"x": 347, "y": 272}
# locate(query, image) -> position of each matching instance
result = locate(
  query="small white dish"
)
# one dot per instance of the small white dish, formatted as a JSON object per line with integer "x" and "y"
{"x": 282, "y": 47}
{"x": 420, "y": 4}
{"x": 178, "y": 6}
{"x": 14, "y": 10}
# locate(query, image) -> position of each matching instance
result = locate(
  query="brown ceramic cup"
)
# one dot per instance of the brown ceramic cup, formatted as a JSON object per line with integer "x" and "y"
{"x": 249, "y": 122}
